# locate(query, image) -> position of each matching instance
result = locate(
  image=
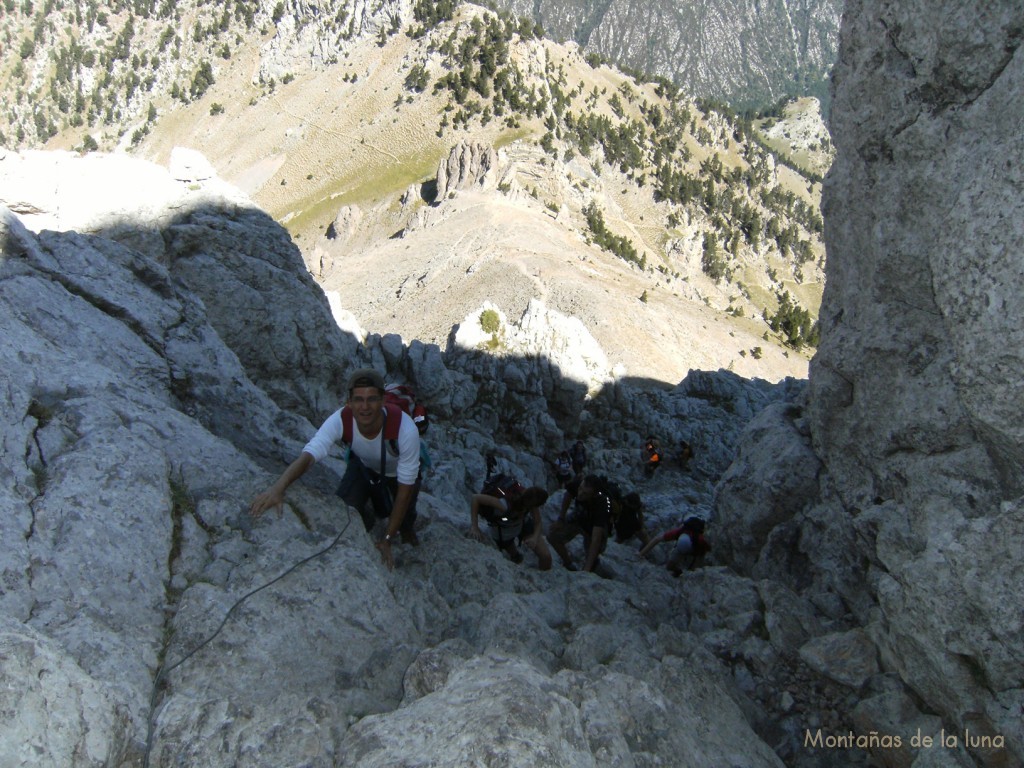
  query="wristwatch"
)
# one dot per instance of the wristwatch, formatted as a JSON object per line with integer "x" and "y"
{"x": 389, "y": 536}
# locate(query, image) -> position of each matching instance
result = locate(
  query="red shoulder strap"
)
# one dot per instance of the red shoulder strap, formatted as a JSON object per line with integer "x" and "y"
{"x": 393, "y": 422}
{"x": 346, "y": 425}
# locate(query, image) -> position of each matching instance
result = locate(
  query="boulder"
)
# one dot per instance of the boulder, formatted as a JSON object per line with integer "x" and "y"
{"x": 774, "y": 477}
{"x": 468, "y": 165}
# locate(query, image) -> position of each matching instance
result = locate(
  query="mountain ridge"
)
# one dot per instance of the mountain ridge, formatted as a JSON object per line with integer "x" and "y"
{"x": 106, "y": 65}
{"x": 749, "y": 54}
{"x": 354, "y": 149}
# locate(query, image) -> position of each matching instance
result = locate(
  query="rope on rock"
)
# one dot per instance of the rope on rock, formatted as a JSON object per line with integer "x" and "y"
{"x": 164, "y": 671}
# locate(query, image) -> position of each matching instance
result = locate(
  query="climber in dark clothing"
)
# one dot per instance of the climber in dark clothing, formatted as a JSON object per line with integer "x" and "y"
{"x": 591, "y": 516}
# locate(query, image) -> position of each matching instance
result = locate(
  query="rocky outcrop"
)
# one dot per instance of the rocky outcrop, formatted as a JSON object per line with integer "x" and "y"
{"x": 543, "y": 353}
{"x": 469, "y": 165}
{"x": 214, "y": 240}
{"x": 307, "y": 36}
{"x": 773, "y": 478}
{"x": 914, "y": 529}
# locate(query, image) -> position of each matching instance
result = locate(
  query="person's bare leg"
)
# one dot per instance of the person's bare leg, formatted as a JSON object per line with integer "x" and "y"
{"x": 558, "y": 538}
{"x": 540, "y": 548}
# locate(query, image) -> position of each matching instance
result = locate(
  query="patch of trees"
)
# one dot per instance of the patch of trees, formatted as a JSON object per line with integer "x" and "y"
{"x": 623, "y": 143}
{"x": 202, "y": 80}
{"x": 616, "y": 244}
{"x": 429, "y": 14}
{"x": 417, "y": 79}
{"x": 711, "y": 262}
{"x": 480, "y": 69}
{"x": 793, "y": 322}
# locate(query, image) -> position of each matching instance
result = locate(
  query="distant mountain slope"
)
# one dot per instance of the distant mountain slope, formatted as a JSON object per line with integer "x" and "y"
{"x": 102, "y": 70}
{"x": 704, "y": 246}
{"x": 744, "y": 52}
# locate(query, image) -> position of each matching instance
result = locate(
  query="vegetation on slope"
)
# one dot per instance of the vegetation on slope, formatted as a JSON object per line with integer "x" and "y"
{"x": 700, "y": 159}
{"x": 109, "y": 70}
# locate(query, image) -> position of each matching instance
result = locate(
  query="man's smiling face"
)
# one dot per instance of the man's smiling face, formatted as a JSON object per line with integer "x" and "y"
{"x": 365, "y": 403}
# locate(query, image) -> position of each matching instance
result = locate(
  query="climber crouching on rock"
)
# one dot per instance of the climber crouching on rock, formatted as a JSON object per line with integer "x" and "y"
{"x": 591, "y": 517}
{"x": 512, "y": 514}
{"x": 383, "y": 462}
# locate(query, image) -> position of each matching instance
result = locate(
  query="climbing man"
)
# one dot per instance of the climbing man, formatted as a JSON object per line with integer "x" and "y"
{"x": 591, "y": 517}
{"x": 383, "y": 461}
{"x": 512, "y": 514}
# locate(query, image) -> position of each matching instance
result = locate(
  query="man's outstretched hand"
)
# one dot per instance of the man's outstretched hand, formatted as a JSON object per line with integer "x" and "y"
{"x": 385, "y": 554}
{"x": 268, "y": 499}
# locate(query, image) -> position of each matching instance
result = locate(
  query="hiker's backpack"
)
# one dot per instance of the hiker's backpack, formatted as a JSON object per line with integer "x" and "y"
{"x": 503, "y": 486}
{"x": 500, "y": 486}
{"x": 631, "y": 516}
{"x": 612, "y": 497}
{"x": 401, "y": 395}
{"x": 614, "y": 494}
{"x": 694, "y": 527}
{"x": 419, "y": 415}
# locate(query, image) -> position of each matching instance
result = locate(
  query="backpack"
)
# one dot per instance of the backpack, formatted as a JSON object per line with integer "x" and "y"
{"x": 614, "y": 494}
{"x": 500, "y": 486}
{"x": 419, "y": 415}
{"x": 503, "y": 486}
{"x": 694, "y": 527}
{"x": 401, "y": 395}
{"x": 612, "y": 497}
{"x": 631, "y": 516}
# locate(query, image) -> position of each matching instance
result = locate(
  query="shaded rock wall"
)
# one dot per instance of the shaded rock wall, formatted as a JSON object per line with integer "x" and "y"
{"x": 914, "y": 401}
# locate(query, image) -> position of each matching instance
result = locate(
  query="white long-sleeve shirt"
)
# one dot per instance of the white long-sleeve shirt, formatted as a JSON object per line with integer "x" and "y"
{"x": 405, "y": 466}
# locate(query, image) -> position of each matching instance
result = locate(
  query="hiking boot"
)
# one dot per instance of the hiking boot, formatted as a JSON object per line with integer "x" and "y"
{"x": 410, "y": 537}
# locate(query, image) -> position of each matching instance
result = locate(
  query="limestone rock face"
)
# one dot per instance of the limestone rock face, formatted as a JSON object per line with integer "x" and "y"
{"x": 66, "y": 717}
{"x": 774, "y": 477}
{"x": 915, "y": 405}
{"x": 238, "y": 265}
{"x": 541, "y": 357}
{"x": 469, "y": 164}
{"x": 209, "y": 236}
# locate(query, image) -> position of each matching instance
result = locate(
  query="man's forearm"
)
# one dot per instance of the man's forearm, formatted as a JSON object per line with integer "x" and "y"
{"x": 294, "y": 471}
{"x": 400, "y": 506}
{"x": 597, "y": 538}
{"x": 274, "y": 495}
